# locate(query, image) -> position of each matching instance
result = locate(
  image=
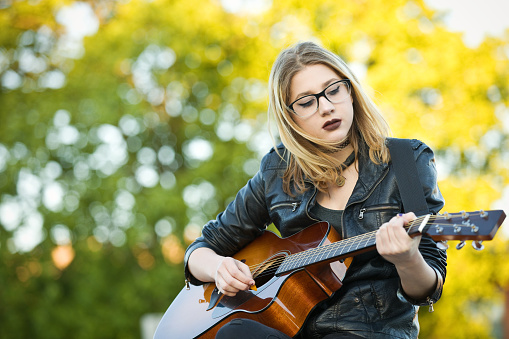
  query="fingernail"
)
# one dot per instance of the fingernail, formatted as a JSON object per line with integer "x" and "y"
{"x": 400, "y": 214}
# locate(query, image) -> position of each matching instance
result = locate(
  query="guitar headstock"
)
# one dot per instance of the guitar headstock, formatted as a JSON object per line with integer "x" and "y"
{"x": 477, "y": 226}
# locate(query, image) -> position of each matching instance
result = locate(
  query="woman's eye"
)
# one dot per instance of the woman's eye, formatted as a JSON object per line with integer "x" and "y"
{"x": 306, "y": 103}
{"x": 335, "y": 90}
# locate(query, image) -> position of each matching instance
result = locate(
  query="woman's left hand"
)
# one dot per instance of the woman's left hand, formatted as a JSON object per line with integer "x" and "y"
{"x": 394, "y": 244}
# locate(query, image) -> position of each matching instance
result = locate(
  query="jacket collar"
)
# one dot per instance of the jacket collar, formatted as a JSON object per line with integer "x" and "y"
{"x": 370, "y": 174}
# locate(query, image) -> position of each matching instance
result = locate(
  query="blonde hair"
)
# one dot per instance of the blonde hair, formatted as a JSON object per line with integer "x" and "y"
{"x": 310, "y": 158}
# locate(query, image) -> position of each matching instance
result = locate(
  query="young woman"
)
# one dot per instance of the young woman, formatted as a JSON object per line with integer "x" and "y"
{"x": 333, "y": 165}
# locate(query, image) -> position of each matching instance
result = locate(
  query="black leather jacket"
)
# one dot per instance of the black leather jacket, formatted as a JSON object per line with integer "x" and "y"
{"x": 371, "y": 301}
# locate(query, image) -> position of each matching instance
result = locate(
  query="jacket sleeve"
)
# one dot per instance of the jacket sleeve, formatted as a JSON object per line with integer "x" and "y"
{"x": 244, "y": 219}
{"x": 434, "y": 257}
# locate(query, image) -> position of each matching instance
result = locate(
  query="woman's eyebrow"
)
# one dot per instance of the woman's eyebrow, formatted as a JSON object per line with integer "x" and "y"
{"x": 325, "y": 84}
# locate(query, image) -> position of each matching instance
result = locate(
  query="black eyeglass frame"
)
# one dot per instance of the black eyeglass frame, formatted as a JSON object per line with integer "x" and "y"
{"x": 321, "y": 94}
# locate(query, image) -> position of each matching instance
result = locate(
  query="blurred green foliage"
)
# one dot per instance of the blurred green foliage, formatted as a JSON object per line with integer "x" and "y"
{"x": 126, "y": 125}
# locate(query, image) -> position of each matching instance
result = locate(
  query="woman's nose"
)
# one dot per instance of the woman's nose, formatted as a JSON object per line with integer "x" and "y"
{"x": 325, "y": 106}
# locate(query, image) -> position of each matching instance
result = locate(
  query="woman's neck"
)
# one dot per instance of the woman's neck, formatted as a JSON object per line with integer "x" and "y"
{"x": 342, "y": 154}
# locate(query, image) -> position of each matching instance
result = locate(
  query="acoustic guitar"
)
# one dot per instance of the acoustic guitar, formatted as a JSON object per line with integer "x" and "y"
{"x": 296, "y": 273}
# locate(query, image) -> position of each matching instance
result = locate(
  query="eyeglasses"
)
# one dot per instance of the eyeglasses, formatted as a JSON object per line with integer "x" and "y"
{"x": 308, "y": 104}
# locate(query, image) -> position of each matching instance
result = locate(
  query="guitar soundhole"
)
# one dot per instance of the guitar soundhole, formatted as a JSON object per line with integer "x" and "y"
{"x": 266, "y": 270}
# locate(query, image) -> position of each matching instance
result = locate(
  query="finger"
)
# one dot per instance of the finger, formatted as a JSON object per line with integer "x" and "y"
{"x": 408, "y": 217}
{"x": 223, "y": 288}
{"x": 401, "y": 240}
{"x": 241, "y": 274}
{"x": 398, "y": 223}
{"x": 382, "y": 239}
{"x": 392, "y": 238}
{"x": 233, "y": 276}
{"x": 246, "y": 272}
{"x": 398, "y": 238}
{"x": 222, "y": 278}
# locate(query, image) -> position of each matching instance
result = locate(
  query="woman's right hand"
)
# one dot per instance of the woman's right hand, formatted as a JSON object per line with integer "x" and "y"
{"x": 232, "y": 276}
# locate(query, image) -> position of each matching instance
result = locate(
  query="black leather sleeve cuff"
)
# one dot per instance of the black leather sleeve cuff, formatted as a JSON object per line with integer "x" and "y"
{"x": 431, "y": 299}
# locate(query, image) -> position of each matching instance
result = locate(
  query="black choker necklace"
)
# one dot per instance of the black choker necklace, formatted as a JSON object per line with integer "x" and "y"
{"x": 340, "y": 180}
{"x": 343, "y": 144}
{"x": 339, "y": 147}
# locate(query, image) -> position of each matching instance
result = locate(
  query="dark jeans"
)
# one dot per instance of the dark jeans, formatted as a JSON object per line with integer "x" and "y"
{"x": 250, "y": 329}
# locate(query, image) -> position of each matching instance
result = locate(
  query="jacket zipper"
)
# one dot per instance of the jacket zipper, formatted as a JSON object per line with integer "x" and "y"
{"x": 430, "y": 303}
{"x": 307, "y": 204}
{"x": 293, "y": 204}
{"x": 377, "y": 208}
{"x": 362, "y": 200}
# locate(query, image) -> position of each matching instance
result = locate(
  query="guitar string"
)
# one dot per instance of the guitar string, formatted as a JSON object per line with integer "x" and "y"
{"x": 297, "y": 257}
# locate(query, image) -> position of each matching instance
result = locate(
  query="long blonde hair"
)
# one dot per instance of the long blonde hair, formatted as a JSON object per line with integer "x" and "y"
{"x": 310, "y": 158}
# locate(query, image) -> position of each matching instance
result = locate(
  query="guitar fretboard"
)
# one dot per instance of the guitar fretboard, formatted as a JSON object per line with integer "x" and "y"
{"x": 344, "y": 248}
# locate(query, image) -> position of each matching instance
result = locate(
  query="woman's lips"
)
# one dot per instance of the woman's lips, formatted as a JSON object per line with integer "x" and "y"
{"x": 331, "y": 124}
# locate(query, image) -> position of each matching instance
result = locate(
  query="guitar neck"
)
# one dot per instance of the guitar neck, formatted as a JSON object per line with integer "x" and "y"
{"x": 337, "y": 250}
{"x": 477, "y": 226}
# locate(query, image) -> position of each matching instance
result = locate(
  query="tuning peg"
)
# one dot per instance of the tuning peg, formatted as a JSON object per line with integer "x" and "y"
{"x": 477, "y": 245}
{"x": 484, "y": 214}
{"x": 460, "y": 245}
{"x": 443, "y": 245}
{"x": 464, "y": 215}
{"x": 447, "y": 216}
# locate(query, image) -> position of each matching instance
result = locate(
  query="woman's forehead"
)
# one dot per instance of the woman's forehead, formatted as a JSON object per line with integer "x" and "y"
{"x": 312, "y": 79}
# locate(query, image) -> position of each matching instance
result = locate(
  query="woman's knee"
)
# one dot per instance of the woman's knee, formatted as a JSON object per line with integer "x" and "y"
{"x": 248, "y": 329}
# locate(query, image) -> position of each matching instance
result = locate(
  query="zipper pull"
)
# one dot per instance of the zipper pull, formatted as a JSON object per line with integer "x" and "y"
{"x": 361, "y": 213}
{"x": 294, "y": 206}
{"x": 430, "y": 302}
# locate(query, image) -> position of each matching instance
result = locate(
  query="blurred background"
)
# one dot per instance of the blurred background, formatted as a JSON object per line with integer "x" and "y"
{"x": 126, "y": 125}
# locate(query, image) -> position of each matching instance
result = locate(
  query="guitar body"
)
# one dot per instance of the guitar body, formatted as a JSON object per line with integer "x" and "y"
{"x": 282, "y": 302}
